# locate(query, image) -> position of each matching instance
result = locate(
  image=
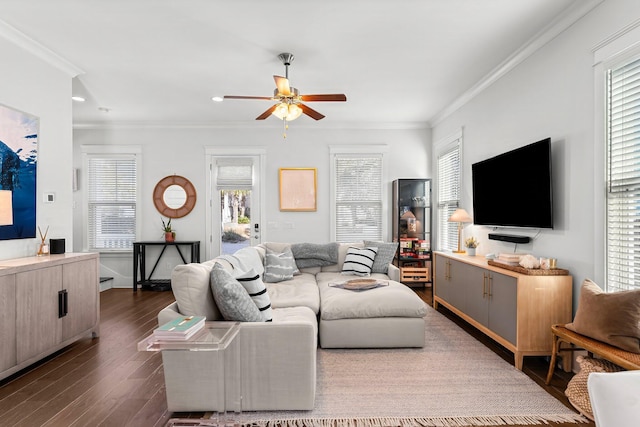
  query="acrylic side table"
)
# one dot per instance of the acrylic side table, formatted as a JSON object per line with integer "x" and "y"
{"x": 205, "y": 365}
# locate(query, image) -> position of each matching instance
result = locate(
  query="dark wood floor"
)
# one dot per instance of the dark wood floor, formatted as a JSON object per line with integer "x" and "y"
{"x": 107, "y": 382}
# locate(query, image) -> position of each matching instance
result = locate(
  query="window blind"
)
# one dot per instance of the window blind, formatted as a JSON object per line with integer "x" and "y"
{"x": 234, "y": 173}
{"x": 623, "y": 177}
{"x": 111, "y": 193}
{"x": 448, "y": 196}
{"x": 358, "y": 196}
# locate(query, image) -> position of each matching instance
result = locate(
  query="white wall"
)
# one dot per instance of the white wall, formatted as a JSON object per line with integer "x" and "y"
{"x": 30, "y": 84}
{"x": 181, "y": 151}
{"x": 551, "y": 94}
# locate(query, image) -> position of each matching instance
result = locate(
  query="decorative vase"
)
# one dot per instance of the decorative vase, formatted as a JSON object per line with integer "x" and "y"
{"x": 471, "y": 251}
{"x": 169, "y": 236}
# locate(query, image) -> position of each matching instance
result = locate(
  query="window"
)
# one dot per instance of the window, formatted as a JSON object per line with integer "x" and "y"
{"x": 111, "y": 196}
{"x": 449, "y": 165}
{"x": 623, "y": 176}
{"x": 358, "y": 196}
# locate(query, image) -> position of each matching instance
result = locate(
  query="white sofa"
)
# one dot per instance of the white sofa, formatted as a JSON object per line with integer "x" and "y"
{"x": 278, "y": 359}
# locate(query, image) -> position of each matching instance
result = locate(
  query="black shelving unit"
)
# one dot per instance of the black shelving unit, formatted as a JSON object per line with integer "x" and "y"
{"x": 412, "y": 222}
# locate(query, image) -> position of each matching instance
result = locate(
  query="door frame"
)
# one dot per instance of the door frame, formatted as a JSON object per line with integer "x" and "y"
{"x": 210, "y": 155}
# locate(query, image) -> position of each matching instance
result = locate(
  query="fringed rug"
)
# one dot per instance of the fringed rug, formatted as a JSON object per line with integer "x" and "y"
{"x": 453, "y": 381}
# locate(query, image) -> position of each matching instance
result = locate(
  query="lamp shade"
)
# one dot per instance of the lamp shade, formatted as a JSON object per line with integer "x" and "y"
{"x": 6, "y": 207}
{"x": 408, "y": 215}
{"x": 460, "y": 215}
{"x": 288, "y": 112}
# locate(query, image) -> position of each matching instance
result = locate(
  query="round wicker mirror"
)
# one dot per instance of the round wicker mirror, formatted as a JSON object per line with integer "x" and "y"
{"x": 174, "y": 196}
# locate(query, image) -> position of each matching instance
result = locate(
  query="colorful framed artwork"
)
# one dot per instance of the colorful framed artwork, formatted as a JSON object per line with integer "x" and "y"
{"x": 298, "y": 189}
{"x": 18, "y": 161}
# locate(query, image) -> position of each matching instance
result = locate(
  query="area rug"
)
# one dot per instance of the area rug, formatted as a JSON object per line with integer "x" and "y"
{"x": 453, "y": 381}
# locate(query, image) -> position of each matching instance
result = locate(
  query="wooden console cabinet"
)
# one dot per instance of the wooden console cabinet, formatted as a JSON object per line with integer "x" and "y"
{"x": 46, "y": 303}
{"x": 516, "y": 310}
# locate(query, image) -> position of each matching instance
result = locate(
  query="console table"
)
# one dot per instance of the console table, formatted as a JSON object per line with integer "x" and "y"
{"x": 515, "y": 309}
{"x": 140, "y": 257}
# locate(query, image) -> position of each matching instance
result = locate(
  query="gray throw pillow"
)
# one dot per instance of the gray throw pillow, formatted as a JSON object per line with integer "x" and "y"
{"x": 358, "y": 261}
{"x": 231, "y": 297}
{"x": 279, "y": 266}
{"x": 256, "y": 289}
{"x": 384, "y": 256}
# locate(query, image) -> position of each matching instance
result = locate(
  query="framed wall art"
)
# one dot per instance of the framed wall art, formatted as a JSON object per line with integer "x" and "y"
{"x": 298, "y": 189}
{"x": 18, "y": 160}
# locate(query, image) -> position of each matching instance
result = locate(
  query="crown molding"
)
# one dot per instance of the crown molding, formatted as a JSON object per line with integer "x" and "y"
{"x": 251, "y": 125}
{"x": 21, "y": 40}
{"x": 556, "y": 27}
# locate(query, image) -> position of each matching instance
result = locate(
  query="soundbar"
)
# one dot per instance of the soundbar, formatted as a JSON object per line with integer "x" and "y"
{"x": 509, "y": 238}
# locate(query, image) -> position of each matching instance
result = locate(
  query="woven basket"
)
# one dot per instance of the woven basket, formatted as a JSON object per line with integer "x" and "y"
{"x": 577, "y": 391}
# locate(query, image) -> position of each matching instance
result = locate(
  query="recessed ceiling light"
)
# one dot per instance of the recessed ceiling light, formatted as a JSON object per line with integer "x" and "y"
{"x": 217, "y": 98}
{"x": 78, "y": 98}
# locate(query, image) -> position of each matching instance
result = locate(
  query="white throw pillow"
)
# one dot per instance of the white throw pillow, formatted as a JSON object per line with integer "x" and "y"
{"x": 279, "y": 266}
{"x": 256, "y": 289}
{"x": 359, "y": 261}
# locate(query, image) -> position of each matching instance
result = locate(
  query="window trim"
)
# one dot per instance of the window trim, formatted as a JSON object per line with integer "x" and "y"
{"x": 350, "y": 150}
{"x": 88, "y": 151}
{"x": 615, "y": 49}
{"x": 441, "y": 147}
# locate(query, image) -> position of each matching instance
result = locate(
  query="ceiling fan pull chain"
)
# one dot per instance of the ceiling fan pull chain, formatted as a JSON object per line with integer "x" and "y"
{"x": 286, "y": 126}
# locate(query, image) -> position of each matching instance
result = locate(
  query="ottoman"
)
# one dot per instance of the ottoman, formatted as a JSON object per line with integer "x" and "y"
{"x": 383, "y": 317}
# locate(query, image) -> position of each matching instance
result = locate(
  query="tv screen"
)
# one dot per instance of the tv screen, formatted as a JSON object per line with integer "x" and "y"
{"x": 513, "y": 189}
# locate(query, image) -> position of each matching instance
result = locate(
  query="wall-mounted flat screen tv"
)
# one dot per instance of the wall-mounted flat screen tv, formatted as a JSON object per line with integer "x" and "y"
{"x": 514, "y": 189}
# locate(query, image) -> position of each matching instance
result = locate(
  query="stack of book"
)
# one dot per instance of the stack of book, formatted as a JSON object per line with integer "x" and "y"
{"x": 509, "y": 259}
{"x": 181, "y": 328}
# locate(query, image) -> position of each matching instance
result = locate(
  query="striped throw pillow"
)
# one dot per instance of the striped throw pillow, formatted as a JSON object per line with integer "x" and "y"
{"x": 256, "y": 289}
{"x": 359, "y": 261}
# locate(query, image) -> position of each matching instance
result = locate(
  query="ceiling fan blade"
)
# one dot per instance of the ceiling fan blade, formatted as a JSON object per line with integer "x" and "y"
{"x": 282, "y": 83}
{"x": 267, "y": 113}
{"x": 311, "y": 112}
{"x": 247, "y": 97}
{"x": 324, "y": 97}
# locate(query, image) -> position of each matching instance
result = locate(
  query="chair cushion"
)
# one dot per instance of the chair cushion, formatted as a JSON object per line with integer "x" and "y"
{"x": 231, "y": 297}
{"x": 613, "y": 318}
{"x": 359, "y": 261}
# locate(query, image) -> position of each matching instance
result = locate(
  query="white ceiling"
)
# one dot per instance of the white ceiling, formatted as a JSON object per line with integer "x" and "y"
{"x": 161, "y": 61}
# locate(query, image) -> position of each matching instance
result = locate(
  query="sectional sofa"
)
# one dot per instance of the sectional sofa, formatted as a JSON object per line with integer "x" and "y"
{"x": 277, "y": 355}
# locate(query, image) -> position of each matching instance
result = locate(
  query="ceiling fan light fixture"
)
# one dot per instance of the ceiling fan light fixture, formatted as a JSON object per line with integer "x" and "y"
{"x": 288, "y": 112}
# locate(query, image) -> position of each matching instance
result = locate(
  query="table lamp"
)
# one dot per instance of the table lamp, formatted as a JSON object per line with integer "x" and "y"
{"x": 460, "y": 216}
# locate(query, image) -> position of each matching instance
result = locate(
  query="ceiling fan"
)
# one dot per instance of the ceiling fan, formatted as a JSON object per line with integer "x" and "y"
{"x": 289, "y": 103}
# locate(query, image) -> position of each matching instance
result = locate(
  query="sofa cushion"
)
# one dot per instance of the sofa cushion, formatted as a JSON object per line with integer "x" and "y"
{"x": 279, "y": 266}
{"x": 613, "y": 318}
{"x": 301, "y": 291}
{"x": 342, "y": 254}
{"x": 256, "y": 289}
{"x": 385, "y": 255}
{"x": 245, "y": 259}
{"x": 232, "y": 299}
{"x": 190, "y": 285}
{"x": 359, "y": 261}
{"x": 394, "y": 300}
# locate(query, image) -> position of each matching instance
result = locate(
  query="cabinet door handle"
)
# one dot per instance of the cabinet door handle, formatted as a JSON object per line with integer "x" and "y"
{"x": 484, "y": 284}
{"x": 447, "y": 273}
{"x": 65, "y": 300}
{"x": 60, "y": 304}
{"x": 490, "y": 284}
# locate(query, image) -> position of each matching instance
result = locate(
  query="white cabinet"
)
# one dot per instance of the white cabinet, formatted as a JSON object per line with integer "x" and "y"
{"x": 516, "y": 310}
{"x": 46, "y": 303}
